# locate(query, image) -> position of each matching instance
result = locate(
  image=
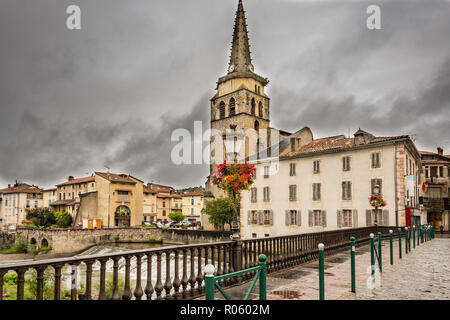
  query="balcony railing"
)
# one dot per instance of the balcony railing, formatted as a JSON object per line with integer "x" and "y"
{"x": 168, "y": 281}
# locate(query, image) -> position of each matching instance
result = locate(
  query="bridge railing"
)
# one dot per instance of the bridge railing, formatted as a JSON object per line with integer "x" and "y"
{"x": 173, "y": 272}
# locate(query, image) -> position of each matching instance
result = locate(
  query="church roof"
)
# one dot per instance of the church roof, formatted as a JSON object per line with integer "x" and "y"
{"x": 240, "y": 49}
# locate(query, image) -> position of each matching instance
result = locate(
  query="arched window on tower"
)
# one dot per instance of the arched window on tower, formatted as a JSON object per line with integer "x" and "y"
{"x": 260, "y": 109}
{"x": 256, "y": 126}
{"x": 232, "y": 107}
{"x": 222, "y": 109}
{"x": 253, "y": 106}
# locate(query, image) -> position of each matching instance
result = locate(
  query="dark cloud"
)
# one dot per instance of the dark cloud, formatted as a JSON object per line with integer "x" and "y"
{"x": 112, "y": 93}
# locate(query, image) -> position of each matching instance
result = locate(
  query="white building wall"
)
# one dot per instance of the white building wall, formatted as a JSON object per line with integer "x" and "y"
{"x": 331, "y": 177}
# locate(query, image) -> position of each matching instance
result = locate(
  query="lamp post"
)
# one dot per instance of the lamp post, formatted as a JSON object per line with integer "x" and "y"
{"x": 376, "y": 190}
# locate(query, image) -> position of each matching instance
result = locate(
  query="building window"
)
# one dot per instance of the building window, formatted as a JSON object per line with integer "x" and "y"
{"x": 376, "y": 160}
{"x": 347, "y": 218}
{"x": 35, "y": 204}
{"x": 317, "y": 218}
{"x": 292, "y": 169}
{"x": 346, "y": 163}
{"x": 434, "y": 193}
{"x": 317, "y": 166}
{"x": 164, "y": 204}
{"x": 192, "y": 211}
{"x": 260, "y": 109}
{"x": 253, "y": 195}
{"x": 267, "y": 217}
{"x": 222, "y": 109}
{"x": 232, "y": 107}
{"x": 254, "y": 217}
{"x": 122, "y": 196}
{"x": 316, "y": 191}
{"x": 292, "y": 217}
{"x": 253, "y": 106}
{"x": 266, "y": 194}
{"x": 28, "y": 204}
{"x": 164, "y": 213}
{"x": 192, "y": 201}
{"x": 293, "y": 192}
{"x": 375, "y": 182}
{"x": 346, "y": 190}
{"x": 266, "y": 172}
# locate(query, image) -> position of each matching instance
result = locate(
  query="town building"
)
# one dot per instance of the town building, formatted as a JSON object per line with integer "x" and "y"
{"x": 15, "y": 200}
{"x": 166, "y": 204}
{"x": 150, "y": 204}
{"x": 69, "y": 193}
{"x": 305, "y": 184}
{"x": 436, "y": 203}
{"x": 49, "y": 196}
{"x": 116, "y": 200}
{"x": 193, "y": 205}
{"x": 324, "y": 184}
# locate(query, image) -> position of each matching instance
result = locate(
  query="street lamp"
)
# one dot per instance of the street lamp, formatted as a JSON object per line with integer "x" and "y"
{"x": 376, "y": 190}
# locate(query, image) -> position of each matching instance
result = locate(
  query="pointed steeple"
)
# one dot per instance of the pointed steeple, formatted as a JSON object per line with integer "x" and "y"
{"x": 240, "y": 60}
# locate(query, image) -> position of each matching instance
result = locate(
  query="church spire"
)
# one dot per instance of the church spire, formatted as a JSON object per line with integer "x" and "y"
{"x": 240, "y": 60}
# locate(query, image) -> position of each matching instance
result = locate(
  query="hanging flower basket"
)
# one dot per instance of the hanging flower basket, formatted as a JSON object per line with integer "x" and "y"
{"x": 377, "y": 201}
{"x": 234, "y": 177}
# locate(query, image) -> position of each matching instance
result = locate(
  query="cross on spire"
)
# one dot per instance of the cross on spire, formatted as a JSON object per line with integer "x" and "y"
{"x": 240, "y": 60}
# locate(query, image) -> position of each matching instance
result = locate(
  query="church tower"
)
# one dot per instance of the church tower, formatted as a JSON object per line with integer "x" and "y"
{"x": 240, "y": 102}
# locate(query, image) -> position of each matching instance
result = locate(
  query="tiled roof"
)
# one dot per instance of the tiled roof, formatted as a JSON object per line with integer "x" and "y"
{"x": 335, "y": 143}
{"x": 159, "y": 187}
{"x": 119, "y": 178}
{"x": 21, "y": 188}
{"x": 148, "y": 190}
{"x": 77, "y": 181}
{"x": 166, "y": 195}
{"x": 199, "y": 192}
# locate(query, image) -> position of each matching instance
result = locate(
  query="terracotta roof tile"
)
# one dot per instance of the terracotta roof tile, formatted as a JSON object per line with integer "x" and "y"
{"x": 334, "y": 143}
{"x": 21, "y": 188}
{"x": 77, "y": 181}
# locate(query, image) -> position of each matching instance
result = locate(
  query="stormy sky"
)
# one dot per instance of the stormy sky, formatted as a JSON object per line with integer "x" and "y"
{"x": 73, "y": 101}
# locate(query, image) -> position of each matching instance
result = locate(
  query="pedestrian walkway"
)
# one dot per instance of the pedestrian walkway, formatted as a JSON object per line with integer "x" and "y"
{"x": 423, "y": 273}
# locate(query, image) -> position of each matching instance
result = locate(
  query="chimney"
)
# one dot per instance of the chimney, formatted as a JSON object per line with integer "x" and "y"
{"x": 70, "y": 178}
{"x": 9, "y": 185}
{"x": 440, "y": 151}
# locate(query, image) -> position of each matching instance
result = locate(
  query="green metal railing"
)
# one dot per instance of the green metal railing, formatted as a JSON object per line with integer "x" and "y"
{"x": 212, "y": 282}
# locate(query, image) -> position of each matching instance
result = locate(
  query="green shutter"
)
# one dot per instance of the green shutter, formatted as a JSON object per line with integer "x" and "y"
{"x": 385, "y": 217}
{"x": 355, "y": 218}
{"x": 324, "y": 218}
{"x": 310, "y": 218}
{"x": 249, "y": 217}
{"x": 368, "y": 218}
{"x": 287, "y": 218}
{"x": 299, "y": 218}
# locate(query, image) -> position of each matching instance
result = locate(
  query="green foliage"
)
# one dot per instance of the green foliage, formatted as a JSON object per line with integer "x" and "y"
{"x": 10, "y": 278}
{"x": 220, "y": 211}
{"x": 49, "y": 284}
{"x": 177, "y": 216}
{"x": 63, "y": 219}
{"x": 153, "y": 240}
{"x": 117, "y": 238}
{"x": 265, "y": 82}
{"x": 109, "y": 286}
{"x": 41, "y": 217}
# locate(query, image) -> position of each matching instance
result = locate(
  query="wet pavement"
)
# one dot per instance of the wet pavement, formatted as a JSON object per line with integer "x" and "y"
{"x": 423, "y": 274}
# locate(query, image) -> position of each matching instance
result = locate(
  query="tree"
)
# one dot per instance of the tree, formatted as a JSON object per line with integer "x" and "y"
{"x": 220, "y": 212}
{"x": 41, "y": 217}
{"x": 63, "y": 219}
{"x": 176, "y": 216}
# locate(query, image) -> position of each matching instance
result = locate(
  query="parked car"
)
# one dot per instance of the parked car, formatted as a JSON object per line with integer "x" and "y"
{"x": 147, "y": 223}
{"x": 159, "y": 225}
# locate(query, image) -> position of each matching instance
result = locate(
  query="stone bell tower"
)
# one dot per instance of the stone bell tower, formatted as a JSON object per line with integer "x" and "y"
{"x": 240, "y": 102}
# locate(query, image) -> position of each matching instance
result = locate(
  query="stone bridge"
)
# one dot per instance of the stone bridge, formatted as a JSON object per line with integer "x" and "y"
{"x": 6, "y": 239}
{"x": 76, "y": 240}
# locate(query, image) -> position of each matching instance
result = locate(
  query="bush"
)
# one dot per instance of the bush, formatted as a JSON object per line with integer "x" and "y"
{"x": 41, "y": 217}
{"x": 21, "y": 245}
{"x": 117, "y": 238}
{"x": 63, "y": 219}
{"x": 10, "y": 278}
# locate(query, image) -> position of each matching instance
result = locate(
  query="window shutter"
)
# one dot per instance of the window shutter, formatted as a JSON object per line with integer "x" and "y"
{"x": 368, "y": 218}
{"x": 349, "y": 191}
{"x": 287, "y": 217}
{"x": 310, "y": 218}
{"x": 324, "y": 218}
{"x": 260, "y": 217}
{"x": 339, "y": 218}
{"x": 271, "y": 217}
{"x": 318, "y": 189}
{"x": 355, "y": 218}
{"x": 249, "y": 217}
{"x": 299, "y": 218}
{"x": 385, "y": 217}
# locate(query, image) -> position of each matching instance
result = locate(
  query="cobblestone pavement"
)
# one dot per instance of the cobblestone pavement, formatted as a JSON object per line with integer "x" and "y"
{"x": 423, "y": 273}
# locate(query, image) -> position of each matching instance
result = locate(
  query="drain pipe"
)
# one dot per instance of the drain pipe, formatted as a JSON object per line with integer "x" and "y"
{"x": 395, "y": 184}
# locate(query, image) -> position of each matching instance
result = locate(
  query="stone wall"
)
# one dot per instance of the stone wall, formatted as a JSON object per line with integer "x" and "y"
{"x": 76, "y": 240}
{"x": 6, "y": 240}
